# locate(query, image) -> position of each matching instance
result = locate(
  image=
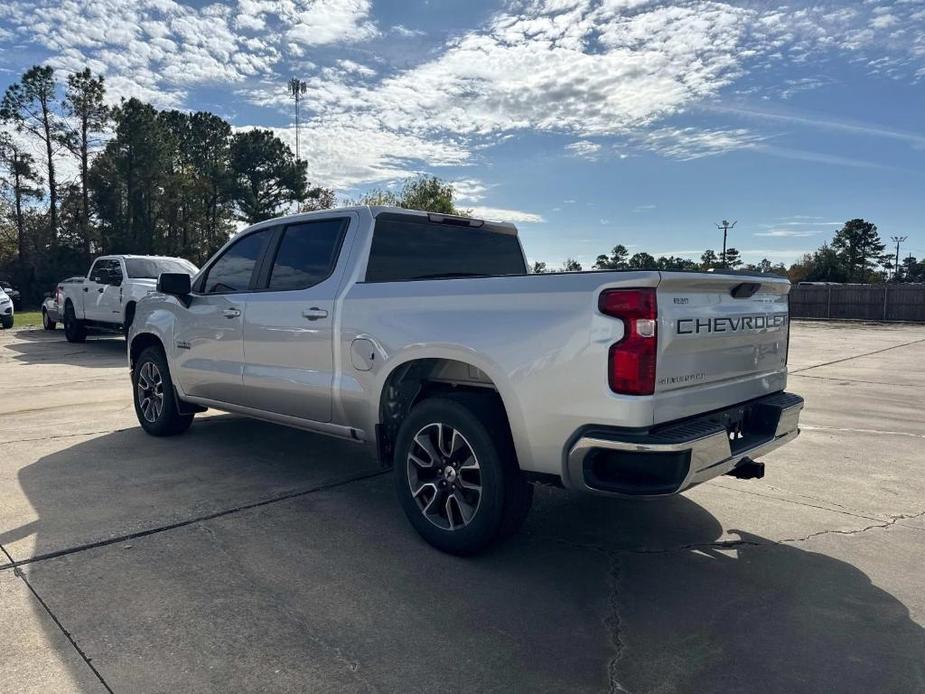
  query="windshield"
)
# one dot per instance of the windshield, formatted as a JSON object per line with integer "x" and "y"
{"x": 151, "y": 268}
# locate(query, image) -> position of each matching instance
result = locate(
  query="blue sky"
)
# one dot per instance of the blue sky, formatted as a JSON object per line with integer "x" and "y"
{"x": 587, "y": 122}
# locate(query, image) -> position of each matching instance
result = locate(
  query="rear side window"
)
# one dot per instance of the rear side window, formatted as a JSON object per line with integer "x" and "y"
{"x": 307, "y": 254}
{"x": 233, "y": 270}
{"x": 414, "y": 248}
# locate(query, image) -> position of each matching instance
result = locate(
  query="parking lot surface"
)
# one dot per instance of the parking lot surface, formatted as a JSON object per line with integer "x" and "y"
{"x": 247, "y": 557}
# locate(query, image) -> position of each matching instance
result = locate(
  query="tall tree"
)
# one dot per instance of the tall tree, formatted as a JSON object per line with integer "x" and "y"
{"x": 642, "y": 261}
{"x": 571, "y": 265}
{"x": 428, "y": 193}
{"x": 615, "y": 261}
{"x": 208, "y": 149}
{"x": 29, "y": 105}
{"x": 127, "y": 179}
{"x": 22, "y": 183}
{"x": 83, "y": 101}
{"x": 265, "y": 175}
{"x": 859, "y": 247}
{"x": 733, "y": 258}
{"x": 709, "y": 260}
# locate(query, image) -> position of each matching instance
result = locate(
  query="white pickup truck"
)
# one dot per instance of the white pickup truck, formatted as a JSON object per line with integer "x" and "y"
{"x": 424, "y": 336}
{"x": 106, "y": 298}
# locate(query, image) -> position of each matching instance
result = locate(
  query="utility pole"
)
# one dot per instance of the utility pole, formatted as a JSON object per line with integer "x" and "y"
{"x": 296, "y": 89}
{"x": 725, "y": 226}
{"x": 897, "y": 240}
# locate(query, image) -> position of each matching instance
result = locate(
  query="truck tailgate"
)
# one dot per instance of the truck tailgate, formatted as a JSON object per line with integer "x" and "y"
{"x": 722, "y": 340}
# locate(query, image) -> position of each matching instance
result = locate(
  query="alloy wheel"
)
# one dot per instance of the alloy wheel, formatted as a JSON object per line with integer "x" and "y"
{"x": 444, "y": 476}
{"x": 150, "y": 391}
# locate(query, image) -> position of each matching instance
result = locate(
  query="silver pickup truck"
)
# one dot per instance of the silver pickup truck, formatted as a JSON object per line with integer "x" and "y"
{"x": 424, "y": 336}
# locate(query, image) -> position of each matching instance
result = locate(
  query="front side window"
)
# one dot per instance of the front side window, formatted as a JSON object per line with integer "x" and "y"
{"x": 307, "y": 254}
{"x": 232, "y": 272}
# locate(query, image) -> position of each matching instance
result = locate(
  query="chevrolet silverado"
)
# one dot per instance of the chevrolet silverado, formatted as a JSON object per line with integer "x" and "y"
{"x": 424, "y": 336}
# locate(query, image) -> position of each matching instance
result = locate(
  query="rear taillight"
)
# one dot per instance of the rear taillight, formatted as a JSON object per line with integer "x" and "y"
{"x": 631, "y": 367}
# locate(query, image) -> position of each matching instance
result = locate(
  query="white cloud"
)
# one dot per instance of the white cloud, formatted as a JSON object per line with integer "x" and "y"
{"x": 584, "y": 149}
{"x": 335, "y": 159}
{"x": 504, "y": 215}
{"x": 691, "y": 143}
{"x": 469, "y": 189}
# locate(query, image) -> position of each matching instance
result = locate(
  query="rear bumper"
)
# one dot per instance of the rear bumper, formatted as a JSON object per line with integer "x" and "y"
{"x": 670, "y": 458}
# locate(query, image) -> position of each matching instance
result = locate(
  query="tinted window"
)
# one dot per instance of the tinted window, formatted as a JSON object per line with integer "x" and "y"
{"x": 105, "y": 271}
{"x": 405, "y": 250}
{"x": 232, "y": 271}
{"x": 307, "y": 254}
{"x": 151, "y": 268}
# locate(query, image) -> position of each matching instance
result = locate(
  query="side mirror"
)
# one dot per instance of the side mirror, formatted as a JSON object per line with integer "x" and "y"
{"x": 175, "y": 283}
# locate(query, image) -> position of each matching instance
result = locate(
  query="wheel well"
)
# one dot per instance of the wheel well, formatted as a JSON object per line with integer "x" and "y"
{"x": 417, "y": 380}
{"x": 141, "y": 343}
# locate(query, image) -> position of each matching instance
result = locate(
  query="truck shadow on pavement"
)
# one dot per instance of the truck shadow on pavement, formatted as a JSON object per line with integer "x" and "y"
{"x": 330, "y": 590}
{"x": 51, "y": 347}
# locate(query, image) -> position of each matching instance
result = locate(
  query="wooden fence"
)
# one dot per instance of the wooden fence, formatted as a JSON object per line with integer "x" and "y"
{"x": 891, "y": 302}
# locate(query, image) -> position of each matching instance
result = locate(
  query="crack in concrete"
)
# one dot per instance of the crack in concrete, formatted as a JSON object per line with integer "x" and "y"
{"x": 858, "y": 356}
{"x": 71, "y": 639}
{"x": 14, "y": 564}
{"x": 894, "y": 519}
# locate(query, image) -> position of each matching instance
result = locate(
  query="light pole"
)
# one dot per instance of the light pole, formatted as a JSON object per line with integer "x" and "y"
{"x": 725, "y": 226}
{"x": 897, "y": 240}
{"x": 296, "y": 89}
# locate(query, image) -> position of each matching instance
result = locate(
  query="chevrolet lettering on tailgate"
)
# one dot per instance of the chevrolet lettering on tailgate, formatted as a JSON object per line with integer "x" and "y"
{"x": 730, "y": 324}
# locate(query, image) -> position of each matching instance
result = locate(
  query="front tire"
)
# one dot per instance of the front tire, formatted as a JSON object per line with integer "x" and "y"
{"x": 154, "y": 396}
{"x": 456, "y": 473}
{"x": 47, "y": 323}
{"x": 74, "y": 329}
{"x": 7, "y": 322}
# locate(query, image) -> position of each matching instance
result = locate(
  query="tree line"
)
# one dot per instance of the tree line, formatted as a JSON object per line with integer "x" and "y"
{"x": 855, "y": 254}
{"x": 149, "y": 181}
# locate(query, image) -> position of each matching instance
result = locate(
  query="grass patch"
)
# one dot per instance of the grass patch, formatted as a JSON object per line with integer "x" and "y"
{"x": 27, "y": 319}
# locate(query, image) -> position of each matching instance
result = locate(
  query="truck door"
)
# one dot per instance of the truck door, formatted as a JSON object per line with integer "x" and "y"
{"x": 209, "y": 349}
{"x": 99, "y": 289}
{"x": 109, "y": 300}
{"x": 289, "y": 324}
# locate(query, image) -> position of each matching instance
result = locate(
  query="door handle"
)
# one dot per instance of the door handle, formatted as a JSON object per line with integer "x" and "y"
{"x": 231, "y": 313}
{"x": 86, "y": 289}
{"x": 314, "y": 313}
{"x": 100, "y": 290}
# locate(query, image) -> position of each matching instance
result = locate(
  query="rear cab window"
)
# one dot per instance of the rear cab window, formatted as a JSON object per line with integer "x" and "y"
{"x": 410, "y": 247}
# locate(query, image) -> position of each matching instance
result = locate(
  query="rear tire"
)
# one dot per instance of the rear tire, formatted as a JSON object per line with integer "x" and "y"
{"x": 154, "y": 396}
{"x": 456, "y": 473}
{"x": 74, "y": 329}
{"x": 47, "y": 323}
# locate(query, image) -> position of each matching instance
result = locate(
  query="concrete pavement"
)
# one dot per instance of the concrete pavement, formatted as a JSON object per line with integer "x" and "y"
{"x": 247, "y": 557}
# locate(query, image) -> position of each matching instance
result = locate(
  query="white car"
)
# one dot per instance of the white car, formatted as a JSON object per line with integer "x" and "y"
{"x": 425, "y": 337}
{"x": 6, "y": 310}
{"x": 106, "y": 298}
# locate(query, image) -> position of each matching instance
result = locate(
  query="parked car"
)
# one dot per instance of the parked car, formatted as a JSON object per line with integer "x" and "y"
{"x": 52, "y": 309}
{"x": 106, "y": 298}
{"x": 424, "y": 337}
{"x": 6, "y": 310}
{"x": 12, "y": 293}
